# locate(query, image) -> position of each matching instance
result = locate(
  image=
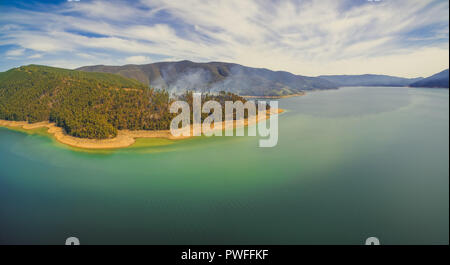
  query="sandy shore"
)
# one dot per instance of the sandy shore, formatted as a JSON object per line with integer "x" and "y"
{"x": 124, "y": 138}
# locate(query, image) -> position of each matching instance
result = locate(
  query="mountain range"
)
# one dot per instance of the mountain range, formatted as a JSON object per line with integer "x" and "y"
{"x": 216, "y": 76}
{"x": 437, "y": 80}
{"x": 369, "y": 80}
{"x": 177, "y": 77}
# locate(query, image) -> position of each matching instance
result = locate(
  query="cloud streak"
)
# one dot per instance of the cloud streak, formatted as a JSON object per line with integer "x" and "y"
{"x": 405, "y": 38}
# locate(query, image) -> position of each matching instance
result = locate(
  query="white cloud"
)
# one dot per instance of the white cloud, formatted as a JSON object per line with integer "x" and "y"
{"x": 15, "y": 52}
{"x": 138, "y": 59}
{"x": 35, "y": 56}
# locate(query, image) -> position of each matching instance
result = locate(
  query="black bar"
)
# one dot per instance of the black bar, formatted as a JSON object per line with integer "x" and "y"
{"x": 276, "y": 254}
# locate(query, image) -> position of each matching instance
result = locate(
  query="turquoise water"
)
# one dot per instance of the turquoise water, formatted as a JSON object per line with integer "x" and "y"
{"x": 349, "y": 164}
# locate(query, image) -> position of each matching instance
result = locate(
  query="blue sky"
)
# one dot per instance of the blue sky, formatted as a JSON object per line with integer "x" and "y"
{"x": 396, "y": 37}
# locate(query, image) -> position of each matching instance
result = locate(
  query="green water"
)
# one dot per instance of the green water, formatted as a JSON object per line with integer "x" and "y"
{"x": 349, "y": 164}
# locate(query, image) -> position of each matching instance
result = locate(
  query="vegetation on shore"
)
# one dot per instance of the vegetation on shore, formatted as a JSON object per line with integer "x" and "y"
{"x": 87, "y": 105}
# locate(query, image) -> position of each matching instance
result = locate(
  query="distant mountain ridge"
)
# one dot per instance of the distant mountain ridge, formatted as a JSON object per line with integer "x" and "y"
{"x": 216, "y": 76}
{"x": 437, "y": 80}
{"x": 369, "y": 80}
{"x": 178, "y": 77}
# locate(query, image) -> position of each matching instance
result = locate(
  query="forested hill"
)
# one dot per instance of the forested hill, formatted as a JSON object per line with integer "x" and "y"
{"x": 87, "y": 105}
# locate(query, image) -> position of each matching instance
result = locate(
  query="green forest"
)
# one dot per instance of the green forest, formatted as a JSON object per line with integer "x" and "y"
{"x": 87, "y": 104}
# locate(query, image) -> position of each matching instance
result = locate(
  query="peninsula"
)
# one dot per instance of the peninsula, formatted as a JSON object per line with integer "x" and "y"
{"x": 90, "y": 110}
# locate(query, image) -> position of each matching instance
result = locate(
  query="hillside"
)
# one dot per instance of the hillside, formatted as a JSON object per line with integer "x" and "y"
{"x": 216, "y": 76}
{"x": 369, "y": 80}
{"x": 87, "y": 105}
{"x": 437, "y": 80}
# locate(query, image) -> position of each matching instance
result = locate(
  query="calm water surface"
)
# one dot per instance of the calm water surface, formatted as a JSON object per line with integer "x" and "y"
{"x": 349, "y": 164}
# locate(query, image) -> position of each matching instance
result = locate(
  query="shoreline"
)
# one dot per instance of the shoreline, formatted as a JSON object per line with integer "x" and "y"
{"x": 124, "y": 138}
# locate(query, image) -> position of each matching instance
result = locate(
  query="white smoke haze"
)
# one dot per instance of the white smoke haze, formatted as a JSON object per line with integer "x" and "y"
{"x": 195, "y": 80}
{"x": 201, "y": 80}
{"x": 236, "y": 82}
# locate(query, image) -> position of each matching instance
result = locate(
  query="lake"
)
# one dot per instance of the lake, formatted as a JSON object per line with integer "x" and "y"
{"x": 349, "y": 164}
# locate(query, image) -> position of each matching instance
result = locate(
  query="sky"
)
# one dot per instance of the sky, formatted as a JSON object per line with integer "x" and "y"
{"x": 408, "y": 38}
